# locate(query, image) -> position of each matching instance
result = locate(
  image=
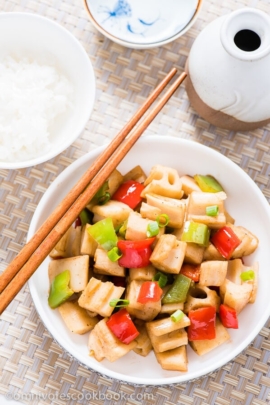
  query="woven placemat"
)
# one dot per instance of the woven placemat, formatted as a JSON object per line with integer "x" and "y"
{"x": 33, "y": 368}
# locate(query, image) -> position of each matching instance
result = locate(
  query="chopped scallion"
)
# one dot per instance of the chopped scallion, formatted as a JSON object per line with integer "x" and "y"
{"x": 122, "y": 229}
{"x": 118, "y": 303}
{"x": 212, "y": 210}
{"x": 114, "y": 254}
{"x": 103, "y": 199}
{"x": 161, "y": 278}
{"x": 152, "y": 229}
{"x": 247, "y": 275}
{"x": 177, "y": 315}
{"x": 163, "y": 220}
{"x": 102, "y": 190}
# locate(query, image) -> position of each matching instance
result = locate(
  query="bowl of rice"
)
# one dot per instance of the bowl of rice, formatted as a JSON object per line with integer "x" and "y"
{"x": 47, "y": 89}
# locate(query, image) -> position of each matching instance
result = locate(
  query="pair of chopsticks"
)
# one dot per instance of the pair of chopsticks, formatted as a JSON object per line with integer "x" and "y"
{"x": 41, "y": 244}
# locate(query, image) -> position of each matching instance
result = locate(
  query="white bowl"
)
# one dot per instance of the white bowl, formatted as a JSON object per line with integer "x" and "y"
{"x": 141, "y": 24}
{"x": 245, "y": 202}
{"x": 42, "y": 40}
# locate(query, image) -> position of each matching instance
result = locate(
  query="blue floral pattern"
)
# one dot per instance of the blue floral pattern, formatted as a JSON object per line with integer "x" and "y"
{"x": 121, "y": 9}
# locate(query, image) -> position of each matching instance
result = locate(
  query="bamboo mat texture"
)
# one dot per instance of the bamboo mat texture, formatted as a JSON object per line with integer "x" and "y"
{"x": 33, "y": 368}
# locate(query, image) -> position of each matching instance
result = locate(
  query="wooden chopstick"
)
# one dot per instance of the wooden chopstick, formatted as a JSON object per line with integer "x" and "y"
{"x": 38, "y": 248}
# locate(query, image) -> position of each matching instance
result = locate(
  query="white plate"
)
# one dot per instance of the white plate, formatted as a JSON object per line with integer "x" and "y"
{"x": 245, "y": 202}
{"x": 140, "y": 23}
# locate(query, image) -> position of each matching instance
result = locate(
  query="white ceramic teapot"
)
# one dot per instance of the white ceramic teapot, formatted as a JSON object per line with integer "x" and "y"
{"x": 228, "y": 67}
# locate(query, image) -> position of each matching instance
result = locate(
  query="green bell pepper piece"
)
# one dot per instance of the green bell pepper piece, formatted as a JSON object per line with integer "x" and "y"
{"x": 247, "y": 275}
{"x": 208, "y": 183}
{"x": 196, "y": 233}
{"x": 60, "y": 291}
{"x": 104, "y": 233}
{"x": 178, "y": 291}
{"x": 85, "y": 217}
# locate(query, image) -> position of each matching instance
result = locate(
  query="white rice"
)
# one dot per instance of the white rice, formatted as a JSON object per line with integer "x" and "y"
{"x": 32, "y": 97}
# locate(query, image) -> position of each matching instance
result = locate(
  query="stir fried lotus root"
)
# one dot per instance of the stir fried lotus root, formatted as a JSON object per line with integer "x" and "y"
{"x": 154, "y": 263}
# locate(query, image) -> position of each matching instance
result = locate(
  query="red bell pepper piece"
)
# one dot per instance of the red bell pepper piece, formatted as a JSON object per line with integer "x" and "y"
{"x": 135, "y": 244}
{"x": 135, "y": 253}
{"x": 129, "y": 193}
{"x": 228, "y": 316}
{"x": 122, "y": 326}
{"x": 150, "y": 291}
{"x": 202, "y": 324}
{"x": 192, "y": 271}
{"x": 135, "y": 258}
{"x": 225, "y": 240}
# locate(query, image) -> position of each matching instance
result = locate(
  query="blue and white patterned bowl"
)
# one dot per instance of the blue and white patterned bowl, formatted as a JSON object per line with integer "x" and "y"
{"x": 143, "y": 24}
